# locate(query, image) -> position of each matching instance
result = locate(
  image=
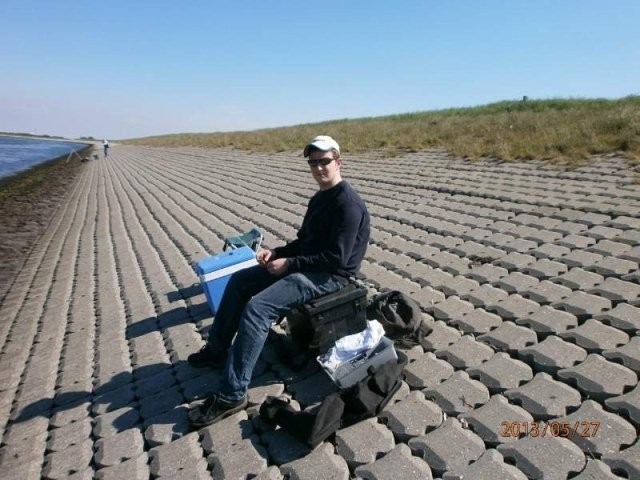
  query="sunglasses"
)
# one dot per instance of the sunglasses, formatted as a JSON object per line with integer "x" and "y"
{"x": 323, "y": 161}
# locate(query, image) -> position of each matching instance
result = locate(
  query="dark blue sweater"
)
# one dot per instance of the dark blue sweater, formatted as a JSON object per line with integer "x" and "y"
{"x": 334, "y": 234}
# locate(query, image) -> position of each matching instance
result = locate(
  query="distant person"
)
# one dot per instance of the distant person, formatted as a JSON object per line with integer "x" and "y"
{"x": 105, "y": 145}
{"x": 329, "y": 249}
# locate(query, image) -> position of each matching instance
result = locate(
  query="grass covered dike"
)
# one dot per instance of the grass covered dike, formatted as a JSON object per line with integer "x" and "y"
{"x": 565, "y": 131}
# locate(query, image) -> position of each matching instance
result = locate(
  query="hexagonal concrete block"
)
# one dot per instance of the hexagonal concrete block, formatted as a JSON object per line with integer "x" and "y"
{"x": 412, "y": 416}
{"x": 487, "y": 273}
{"x": 515, "y": 306}
{"x": 243, "y": 459}
{"x": 596, "y": 470}
{"x": 546, "y": 292}
{"x": 74, "y": 458}
{"x": 134, "y": 469}
{"x": 517, "y": 282}
{"x": 118, "y": 448}
{"x": 116, "y": 421}
{"x": 449, "y": 447}
{"x": 321, "y": 463}
{"x": 544, "y": 269}
{"x": 574, "y": 241}
{"x": 612, "y": 267}
{"x": 451, "y": 308}
{"x": 398, "y": 464}
{"x": 628, "y": 355}
{"x": 552, "y": 354}
{"x": 544, "y": 397}
{"x": 627, "y": 405}
{"x": 515, "y": 261}
{"x": 549, "y": 320}
{"x": 598, "y": 378}
{"x": 597, "y": 431}
{"x": 440, "y": 337}
{"x": 545, "y": 457}
{"x": 501, "y": 372}
{"x": 220, "y": 436}
{"x": 364, "y": 442}
{"x": 583, "y": 305}
{"x": 167, "y": 427}
{"x": 549, "y": 250}
{"x": 174, "y": 457}
{"x": 490, "y": 466}
{"x": 266, "y": 385}
{"x": 270, "y": 473}
{"x": 466, "y": 353}
{"x": 427, "y": 371}
{"x": 485, "y": 296}
{"x": 458, "y": 394}
{"x": 70, "y": 434}
{"x": 492, "y": 421}
{"x": 509, "y": 337}
{"x": 578, "y": 279}
{"x": 627, "y": 460}
{"x": 580, "y": 258}
{"x": 595, "y": 336}
{"x": 113, "y": 400}
{"x": 617, "y": 290}
{"x": 477, "y": 322}
{"x": 624, "y": 317}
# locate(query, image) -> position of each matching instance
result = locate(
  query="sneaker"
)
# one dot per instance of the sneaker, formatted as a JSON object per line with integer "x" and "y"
{"x": 214, "y": 410}
{"x": 206, "y": 357}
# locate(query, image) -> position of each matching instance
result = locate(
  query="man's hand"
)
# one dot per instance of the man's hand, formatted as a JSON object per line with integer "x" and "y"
{"x": 263, "y": 256}
{"x": 278, "y": 266}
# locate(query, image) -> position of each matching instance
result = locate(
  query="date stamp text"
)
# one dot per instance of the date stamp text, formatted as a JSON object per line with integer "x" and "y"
{"x": 551, "y": 428}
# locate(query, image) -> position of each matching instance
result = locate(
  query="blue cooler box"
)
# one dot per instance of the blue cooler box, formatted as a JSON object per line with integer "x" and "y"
{"x": 215, "y": 271}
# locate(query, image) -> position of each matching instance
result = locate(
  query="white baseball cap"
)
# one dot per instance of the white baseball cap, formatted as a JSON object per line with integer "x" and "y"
{"x": 322, "y": 142}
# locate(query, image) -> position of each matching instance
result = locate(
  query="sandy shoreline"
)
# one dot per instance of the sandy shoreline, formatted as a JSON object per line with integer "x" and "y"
{"x": 28, "y": 200}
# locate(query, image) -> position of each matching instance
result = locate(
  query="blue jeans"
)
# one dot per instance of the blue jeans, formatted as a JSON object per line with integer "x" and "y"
{"x": 252, "y": 301}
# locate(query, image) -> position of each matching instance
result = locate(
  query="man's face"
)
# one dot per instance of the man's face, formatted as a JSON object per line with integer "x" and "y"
{"x": 326, "y": 175}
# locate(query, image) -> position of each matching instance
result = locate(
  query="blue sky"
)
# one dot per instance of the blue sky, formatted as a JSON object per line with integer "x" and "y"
{"x": 126, "y": 69}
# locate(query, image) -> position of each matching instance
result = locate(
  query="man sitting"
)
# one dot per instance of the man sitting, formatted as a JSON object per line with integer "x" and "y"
{"x": 328, "y": 250}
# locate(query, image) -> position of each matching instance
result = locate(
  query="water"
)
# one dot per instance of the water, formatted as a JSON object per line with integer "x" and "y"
{"x": 18, "y": 154}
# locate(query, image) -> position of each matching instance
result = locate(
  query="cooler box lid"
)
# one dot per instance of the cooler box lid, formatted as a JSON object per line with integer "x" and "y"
{"x": 225, "y": 263}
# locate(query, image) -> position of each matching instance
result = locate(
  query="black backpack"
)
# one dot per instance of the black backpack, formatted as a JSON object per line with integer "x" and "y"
{"x": 370, "y": 395}
{"x": 341, "y": 409}
{"x": 400, "y": 316}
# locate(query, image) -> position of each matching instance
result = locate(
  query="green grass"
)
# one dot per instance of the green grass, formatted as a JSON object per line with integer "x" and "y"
{"x": 562, "y": 130}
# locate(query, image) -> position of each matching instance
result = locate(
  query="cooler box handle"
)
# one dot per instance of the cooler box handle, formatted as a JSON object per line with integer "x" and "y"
{"x": 252, "y": 239}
